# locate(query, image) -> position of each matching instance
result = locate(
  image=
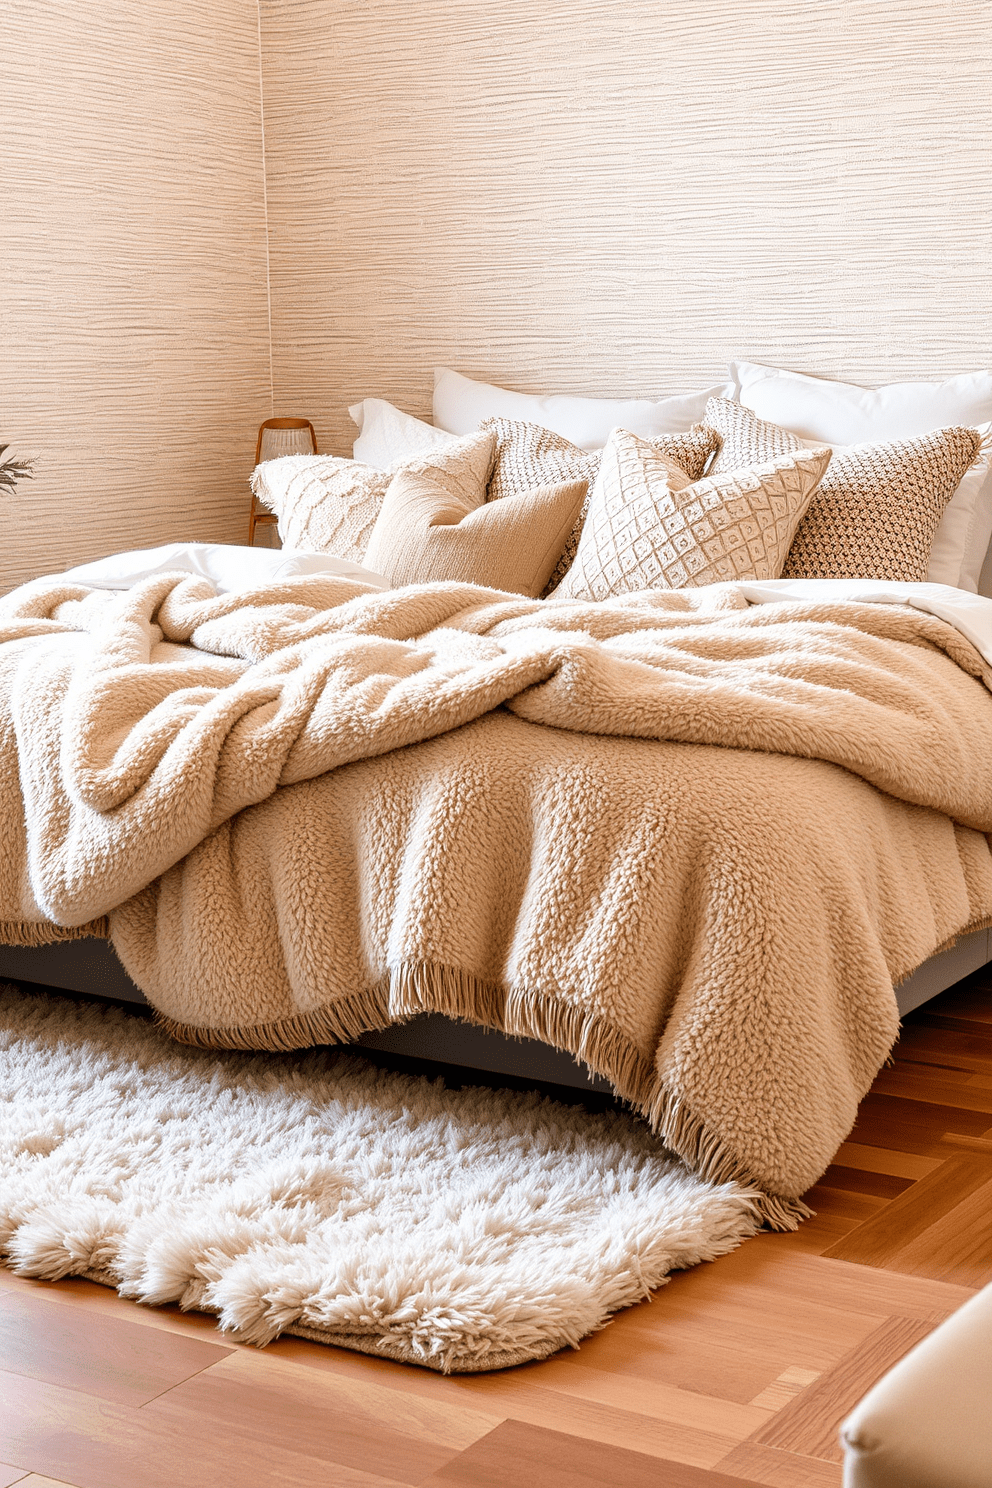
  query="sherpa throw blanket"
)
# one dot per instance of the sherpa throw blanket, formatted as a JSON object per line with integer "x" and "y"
{"x": 690, "y": 840}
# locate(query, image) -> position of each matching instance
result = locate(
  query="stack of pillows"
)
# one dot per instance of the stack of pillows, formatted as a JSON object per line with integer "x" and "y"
{"x": 775, "y": 474}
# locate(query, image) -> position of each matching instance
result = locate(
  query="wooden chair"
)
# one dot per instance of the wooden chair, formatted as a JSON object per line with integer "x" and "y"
{"x": 278, "y": 436}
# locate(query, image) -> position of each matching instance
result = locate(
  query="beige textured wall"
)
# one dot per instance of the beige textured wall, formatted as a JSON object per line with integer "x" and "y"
{"x": 134, "y": 348}
{"x": 570, "y": 195}
{"x": 614, "y": 198}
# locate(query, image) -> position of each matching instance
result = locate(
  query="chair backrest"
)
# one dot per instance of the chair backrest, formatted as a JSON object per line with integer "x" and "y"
{"x": 284, "y": 436}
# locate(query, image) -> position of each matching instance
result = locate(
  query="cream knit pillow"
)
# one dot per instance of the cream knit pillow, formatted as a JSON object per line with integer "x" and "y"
{"x": 425, "y": 532}
{"x": 329, "y": 505}
{"x": 876, "y": 510}
{"x": 528, "y": 455}
{"x": 649, "y": 527}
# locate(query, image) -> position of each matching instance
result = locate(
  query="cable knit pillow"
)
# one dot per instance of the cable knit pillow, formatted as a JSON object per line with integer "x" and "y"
{"x": 650, "y": 527}
{"x": 876, "y": 510}
{"x": 528, "y": 455}
{"x": 425, "y": 533}
{"x": 329, "y": 505}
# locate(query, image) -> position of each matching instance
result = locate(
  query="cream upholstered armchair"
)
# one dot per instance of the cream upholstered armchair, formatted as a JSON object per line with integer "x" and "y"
{"x": 928, "y": 1422}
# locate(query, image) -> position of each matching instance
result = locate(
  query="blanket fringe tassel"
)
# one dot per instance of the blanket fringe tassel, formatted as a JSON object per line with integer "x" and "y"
{"x": 45, "y": 932}
{"x": 425, "y": 987}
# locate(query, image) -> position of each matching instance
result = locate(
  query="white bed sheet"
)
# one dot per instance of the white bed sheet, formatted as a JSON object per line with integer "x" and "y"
{"x": 229, "y": 568}
{"x": 232, "y": 568}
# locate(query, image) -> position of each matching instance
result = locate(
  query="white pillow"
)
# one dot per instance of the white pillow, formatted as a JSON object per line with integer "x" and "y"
{"x": 840, "y": 413}
{"x": 460, "y": 405}
{"x": 228, "y": 568}
{"x": 386, "y": 434}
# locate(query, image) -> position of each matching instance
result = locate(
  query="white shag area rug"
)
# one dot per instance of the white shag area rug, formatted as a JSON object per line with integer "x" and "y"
{"x": 317, "y": 1194}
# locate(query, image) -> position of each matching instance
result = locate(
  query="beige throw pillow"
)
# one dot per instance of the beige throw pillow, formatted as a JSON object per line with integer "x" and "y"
{"x": 528, "y": 455}
{"x": 425, "y": 532}
{"x": 649, "y": 527}
{"x": 876, "y": 511}
{"x": 330, "y": 505}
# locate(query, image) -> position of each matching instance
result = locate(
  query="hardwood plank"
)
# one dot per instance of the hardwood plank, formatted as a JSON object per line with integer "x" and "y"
{"x": 607, "y": 1426}
{"x": 519, "y": 1393}
{"x": 960, "y": 1048}
{"x": 865, "y": 1181}
{"x": 818, "y": 1234}
{"x": 809, "y": 1424}
{"x": 570, "y": 1374}
{"x": 516, "y": 1453}
{"x": 969, "y": 1144}
{"x": 353, "y": 1423}
{"x": 777, "y": 1469}
{"x": 34, "y": 1481}
{"x": 731, "y": 1347}
{"x": 957, "y": 1189}
{"x": 89, "y": 1297}
{"x": 103, "y": 1356}
{"x": 789, "y": 1384}
{"x": 934, "y": 1087}
{"x": 905, "y": 1125}
{"x": 90, "y": 1443}
{"x": 881, "y": 1160}
{"x": 956, "y": 1246}
{"x": 841, "y": 1203}
{"x": 764, "y": 1274}
{"x": 928, "y": 1019}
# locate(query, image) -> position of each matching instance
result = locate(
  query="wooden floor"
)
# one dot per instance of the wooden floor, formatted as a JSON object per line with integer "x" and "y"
{"x": 737, "y": 1373}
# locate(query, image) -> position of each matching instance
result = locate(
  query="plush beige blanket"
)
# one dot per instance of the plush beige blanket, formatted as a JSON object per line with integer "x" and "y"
{"x": 716, "y": 929}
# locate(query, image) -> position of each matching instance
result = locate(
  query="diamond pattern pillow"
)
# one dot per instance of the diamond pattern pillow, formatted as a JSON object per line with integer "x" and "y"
{"x": 329, "y": 505}
{"x": 875, "y": 513}
{"x": 650, "y": 527}
{"x": 528, "y": 455}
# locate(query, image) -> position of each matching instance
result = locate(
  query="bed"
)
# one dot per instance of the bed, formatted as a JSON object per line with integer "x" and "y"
{"x": 91, "y": 966}
{"x": 675, "y": 842}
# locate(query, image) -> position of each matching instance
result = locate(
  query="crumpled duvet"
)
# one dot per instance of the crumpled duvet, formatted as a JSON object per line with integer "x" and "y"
{"x": 689, "y": 838}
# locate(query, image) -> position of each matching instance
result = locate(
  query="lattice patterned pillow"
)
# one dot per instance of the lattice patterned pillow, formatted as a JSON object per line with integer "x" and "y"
{"x": 528, "y": 455}
{"x": 649, "y": 527}
{"x": 875, "y": 513}
{"x": 329, "y": 505}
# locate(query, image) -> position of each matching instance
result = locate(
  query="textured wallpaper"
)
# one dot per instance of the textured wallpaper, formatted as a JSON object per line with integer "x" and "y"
{"x": 134, "y": 346}
{"x": 570, "y": 195}
{"x": 617, "y": 198}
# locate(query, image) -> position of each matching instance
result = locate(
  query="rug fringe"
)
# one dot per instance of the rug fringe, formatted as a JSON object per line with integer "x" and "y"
{"x": 430, "y": 987}
{"x": 46, "y": 932}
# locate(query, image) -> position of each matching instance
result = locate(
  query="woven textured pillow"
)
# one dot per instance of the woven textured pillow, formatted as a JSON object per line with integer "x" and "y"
{"x": 329, "y": 505}
{"x": 528, "y": 455}
{"x": 424, "y": 533}
{"x": 876, "y": 510}
{"x": 649, "y": 527}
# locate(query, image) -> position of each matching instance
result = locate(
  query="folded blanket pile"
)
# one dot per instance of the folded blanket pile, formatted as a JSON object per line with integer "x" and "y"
{"x": 499, "y": 808}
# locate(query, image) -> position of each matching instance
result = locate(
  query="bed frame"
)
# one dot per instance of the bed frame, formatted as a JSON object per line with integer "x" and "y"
{"x": 91, "y": 966}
